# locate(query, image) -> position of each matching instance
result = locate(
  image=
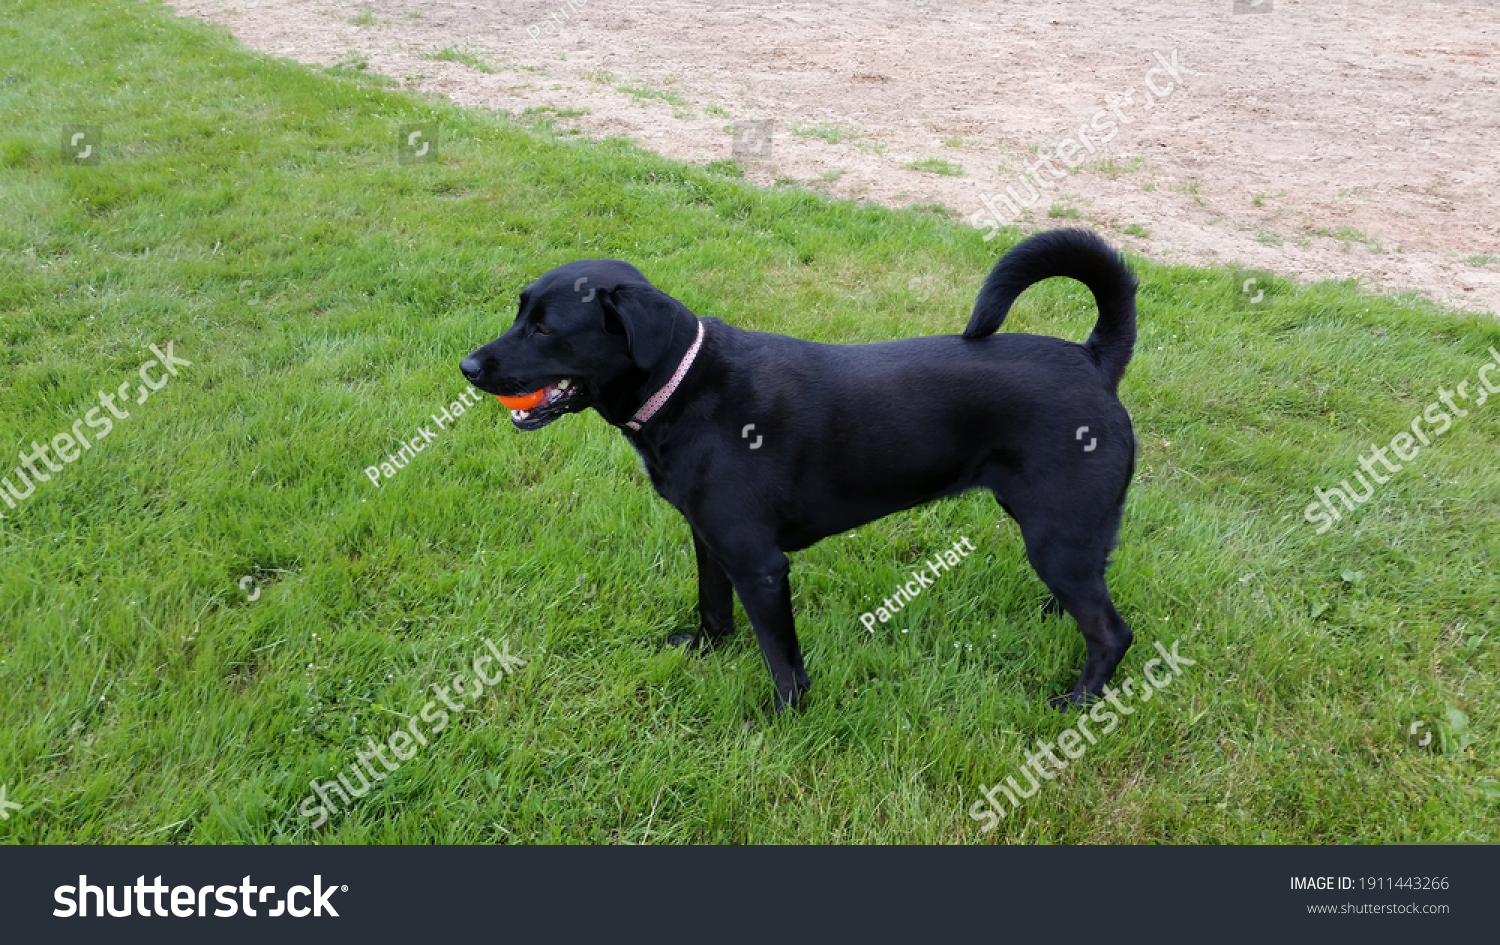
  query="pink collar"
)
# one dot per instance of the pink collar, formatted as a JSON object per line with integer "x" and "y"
{"x": 659, "y": 399}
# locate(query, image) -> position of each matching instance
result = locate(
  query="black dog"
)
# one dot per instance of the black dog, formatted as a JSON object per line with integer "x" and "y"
{"x": 844, "y": 434}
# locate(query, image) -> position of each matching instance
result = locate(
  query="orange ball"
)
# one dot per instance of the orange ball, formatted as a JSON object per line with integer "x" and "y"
{"x": 525, "y": 401}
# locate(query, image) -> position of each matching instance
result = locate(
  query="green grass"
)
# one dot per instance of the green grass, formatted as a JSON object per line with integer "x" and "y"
{"x": 1135, "y": 229}
{"x": 1060, "y": 211}
{"x": 1348, "y": 235}
{"x": 646, "y": 93}
{"x": 939, "y": 210}
{"x": 353, "y": 62}
{"x": 1110, "y": 167}
{"x": 729, "y": 168}
{"x": 454, "y": 54}
{"x": 547, "y": 117}
{"x": 826, "y": 133}
{"x": 254, "y": 212}
{"x": 935, "y": 166}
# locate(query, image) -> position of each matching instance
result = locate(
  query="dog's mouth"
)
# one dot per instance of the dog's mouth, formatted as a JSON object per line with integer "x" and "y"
{"x": 558, "y": 398}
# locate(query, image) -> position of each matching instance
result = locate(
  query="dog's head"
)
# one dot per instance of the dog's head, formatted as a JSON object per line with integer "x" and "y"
{"x": 582, "y": 332}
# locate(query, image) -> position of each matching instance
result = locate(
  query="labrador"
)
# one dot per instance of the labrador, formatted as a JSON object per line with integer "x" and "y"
{"x": 845, "y": 434}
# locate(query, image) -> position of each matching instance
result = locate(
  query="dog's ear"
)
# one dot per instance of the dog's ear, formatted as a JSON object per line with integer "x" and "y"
{"x": 644, "y": 314}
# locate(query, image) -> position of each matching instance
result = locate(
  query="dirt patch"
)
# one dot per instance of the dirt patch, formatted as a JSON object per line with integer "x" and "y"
{"x": 1346, "y": 139}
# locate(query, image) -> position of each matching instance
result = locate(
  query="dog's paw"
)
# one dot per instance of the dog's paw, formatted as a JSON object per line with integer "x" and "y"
{"x": 786, "y": 709}
{"x": 704, "y": 639}
{"x": 1073, "y": 701}
{"x": 795, "y": 697}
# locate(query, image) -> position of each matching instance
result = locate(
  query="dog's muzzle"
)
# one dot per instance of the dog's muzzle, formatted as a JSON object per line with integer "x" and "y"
{"x": 564, "y": 396}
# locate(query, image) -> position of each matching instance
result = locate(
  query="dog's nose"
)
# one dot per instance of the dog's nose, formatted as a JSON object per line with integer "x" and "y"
{"x": 471, "y": 368}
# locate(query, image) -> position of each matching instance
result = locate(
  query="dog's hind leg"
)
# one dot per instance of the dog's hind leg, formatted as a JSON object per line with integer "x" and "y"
{"x": 1108, "y": 636}
{"x": 1074, "y": 572}
{"x": 1071, "y": 560}
{"x": 1052, "y": 607}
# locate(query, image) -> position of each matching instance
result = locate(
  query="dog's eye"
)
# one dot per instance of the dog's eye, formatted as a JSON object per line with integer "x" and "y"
{"x": 543, "y": 330}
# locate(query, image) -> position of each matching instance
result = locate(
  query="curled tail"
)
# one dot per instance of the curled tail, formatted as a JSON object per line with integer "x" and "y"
{"x": 1077, "y": 254}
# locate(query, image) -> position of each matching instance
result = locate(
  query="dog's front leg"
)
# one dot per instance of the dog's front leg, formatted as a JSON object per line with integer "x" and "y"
{"x": 766, "y": 592}
{"x": 715, "y": 600}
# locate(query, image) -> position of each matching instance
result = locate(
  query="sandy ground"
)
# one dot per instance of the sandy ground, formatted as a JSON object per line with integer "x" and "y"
{"x": 1317, "y": 139}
